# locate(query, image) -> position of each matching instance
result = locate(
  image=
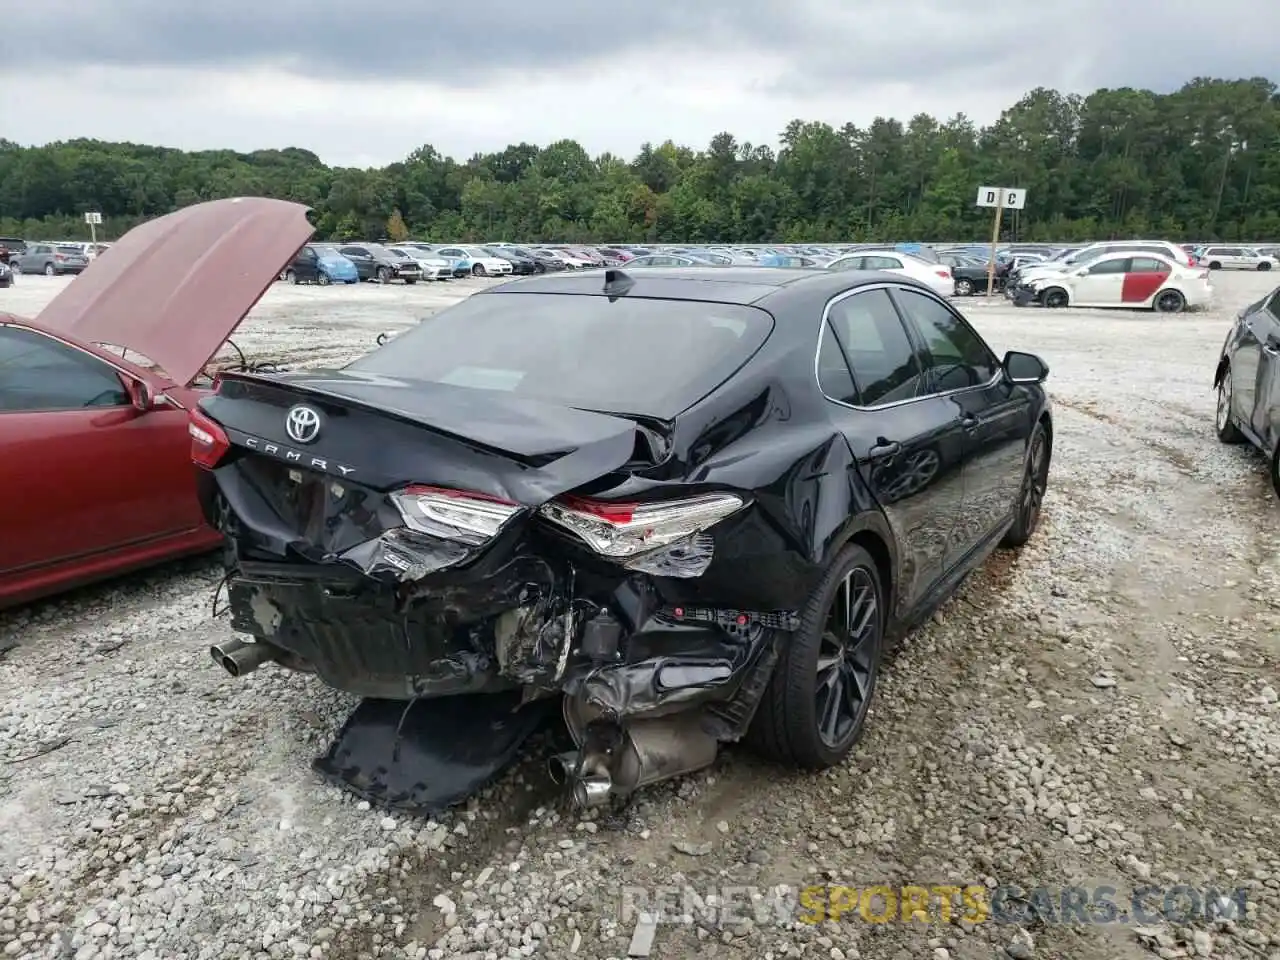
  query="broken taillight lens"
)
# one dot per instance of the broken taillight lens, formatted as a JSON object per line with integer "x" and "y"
{"x": 209, "y": 443}
{"x": 621, "y": 530}
{"x": 458, "y": 515}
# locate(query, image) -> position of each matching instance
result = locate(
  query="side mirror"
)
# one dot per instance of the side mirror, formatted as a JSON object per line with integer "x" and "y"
{"x": 140, "y": 395}
{"x": 1025, "y": 367}
{"x": 1082, "y": 272}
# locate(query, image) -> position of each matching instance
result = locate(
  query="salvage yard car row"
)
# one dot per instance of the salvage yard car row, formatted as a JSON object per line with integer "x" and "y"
{"x": 475, "y": 528}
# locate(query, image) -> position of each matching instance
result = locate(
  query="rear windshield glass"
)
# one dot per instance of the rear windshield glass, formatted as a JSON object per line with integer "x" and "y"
{"x": 70, "y": 249}
{"x": 647, "y": 357}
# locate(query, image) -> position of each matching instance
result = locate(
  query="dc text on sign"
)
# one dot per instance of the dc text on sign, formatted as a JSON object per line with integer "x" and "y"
{"x": 1011, "y": 198}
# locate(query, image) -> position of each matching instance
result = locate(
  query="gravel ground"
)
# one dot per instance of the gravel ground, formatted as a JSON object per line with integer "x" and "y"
{"x": 1099, "y": 710}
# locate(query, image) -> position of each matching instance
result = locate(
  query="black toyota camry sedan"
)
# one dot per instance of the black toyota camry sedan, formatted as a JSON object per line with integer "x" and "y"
{"x": 1247, "y": 379}
{"x": 678, "y": 508}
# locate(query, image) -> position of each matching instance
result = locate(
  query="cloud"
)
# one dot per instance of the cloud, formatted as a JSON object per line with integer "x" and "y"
{"x": 367, "y": 83}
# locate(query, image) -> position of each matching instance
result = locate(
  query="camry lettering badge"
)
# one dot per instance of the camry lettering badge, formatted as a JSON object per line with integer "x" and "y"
{"x": 302, "y": 424}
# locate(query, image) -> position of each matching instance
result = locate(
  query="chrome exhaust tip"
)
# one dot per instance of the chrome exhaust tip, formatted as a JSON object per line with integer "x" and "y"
{"x": 239, "y": 658}
{"x": 589, "y": 792}
{"x": 562, "y": 767}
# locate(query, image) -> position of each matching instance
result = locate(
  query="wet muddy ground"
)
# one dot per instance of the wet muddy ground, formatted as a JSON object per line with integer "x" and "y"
{"x": 1098, "y": 711}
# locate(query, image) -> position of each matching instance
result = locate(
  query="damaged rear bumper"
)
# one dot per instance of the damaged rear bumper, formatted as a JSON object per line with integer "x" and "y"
{"x": 617, "y": 649}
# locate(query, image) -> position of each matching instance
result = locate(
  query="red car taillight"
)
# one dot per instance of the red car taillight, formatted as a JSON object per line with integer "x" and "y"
{"x": 209, "y": 442}
{"x": 458, "y": 515}
{"x": 58, "y": 256}
{"x": 944, "y": 274}
{"x": 623, "y": 530}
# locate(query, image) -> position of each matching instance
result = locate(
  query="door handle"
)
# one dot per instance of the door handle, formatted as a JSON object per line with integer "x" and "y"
{"x": 884, "y": 448}
{"x": 969, "y": 421}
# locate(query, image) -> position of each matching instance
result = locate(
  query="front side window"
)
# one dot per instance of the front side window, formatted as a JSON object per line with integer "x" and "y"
{"x": 38, "y": 373}
{"x": 566, "y": 349}
{"x": 877, "y": 348}
{"x": 1116, "y": 265}
{"x": 956, "y": 356}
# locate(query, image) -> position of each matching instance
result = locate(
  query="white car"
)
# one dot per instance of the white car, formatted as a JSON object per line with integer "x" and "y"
{"x": 937, "y": 276}
{"x": 433, "y": 267}
{"x": 482, "y": 262}
{"x": 1086, "y": 255}
{"x": 1235, "y": 258}
{"x": 1138, "y": 281}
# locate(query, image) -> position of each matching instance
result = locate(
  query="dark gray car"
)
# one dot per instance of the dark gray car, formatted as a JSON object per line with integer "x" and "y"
{"x": 51, "y": 259}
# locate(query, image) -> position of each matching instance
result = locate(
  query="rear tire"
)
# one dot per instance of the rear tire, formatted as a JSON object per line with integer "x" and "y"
{"x": 1264, "y": 266}
{"x": 1226, "y": 430}
{"x": 291, "y": 276}
{"x": 1170, "y": 301}
{"x": 964, "y": 288}
{"x": 49, "y": 271}
{"x": 1035, "y": 481}
{"x": 1214, "y": 265}
{"x": 815, "y": 707}
{"x": 409, "y": 281}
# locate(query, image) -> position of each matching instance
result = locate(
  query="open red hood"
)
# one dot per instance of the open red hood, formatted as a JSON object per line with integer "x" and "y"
{"x": 175, "y": 288}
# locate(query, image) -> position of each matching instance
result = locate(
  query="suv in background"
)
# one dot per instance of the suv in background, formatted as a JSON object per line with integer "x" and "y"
{"x": 375, "y": 262}
{"x": 1235, "y": 258}
{"x": 51, "y": 259}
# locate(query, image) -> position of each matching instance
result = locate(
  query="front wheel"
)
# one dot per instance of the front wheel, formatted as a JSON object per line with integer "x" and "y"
{"x": 291, "y": 276}
{"x": 1214, "y": 265}
{"x": 1264, "y": 265}
{"x": 383, "y": 275}
{"x": 477, "y": 271}
{"x": 1055, "y": 298}
{"x": 815, "y": 707}
{"x": 964, "y": 288}
{"x": 409, "y": 281}
{"x": 1223, "y": 425}
{"x": 322, "y": 278}
{"x": 1035, "y": 481}
{"x": 1170, "y": 301}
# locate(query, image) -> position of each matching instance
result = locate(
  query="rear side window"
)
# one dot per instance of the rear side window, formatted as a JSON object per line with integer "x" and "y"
{"x": 876, "y": 345}
{"x": 635, "y": 355}
{"x": 1147, "y": 265}
{"x": 834, "y": 379}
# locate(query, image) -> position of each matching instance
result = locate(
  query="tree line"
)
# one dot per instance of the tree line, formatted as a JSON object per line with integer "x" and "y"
{"x": 1202, "y": 163}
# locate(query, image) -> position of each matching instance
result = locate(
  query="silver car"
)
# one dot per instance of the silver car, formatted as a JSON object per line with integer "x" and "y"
{"x": 51, "y": 259}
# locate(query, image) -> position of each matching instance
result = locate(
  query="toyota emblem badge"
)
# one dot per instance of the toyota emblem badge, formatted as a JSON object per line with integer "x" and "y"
{"x": 302, "y": 424}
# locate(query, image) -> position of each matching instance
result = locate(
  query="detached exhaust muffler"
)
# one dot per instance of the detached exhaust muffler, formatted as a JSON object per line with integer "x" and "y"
{"x": 646, "y": 752}
{"x": 239, "y": 658}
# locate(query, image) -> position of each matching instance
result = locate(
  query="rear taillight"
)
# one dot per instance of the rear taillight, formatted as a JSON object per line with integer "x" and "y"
{"x": 457, "y": 515}
{"x": 58, "y": 256}
{"x": 944, "y": 274}
{"x": 209, "y": 443}
{"x": 623, "y": 530}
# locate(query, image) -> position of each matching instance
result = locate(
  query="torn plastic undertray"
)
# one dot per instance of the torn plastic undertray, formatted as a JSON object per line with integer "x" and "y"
{"x": 424, "y": 756}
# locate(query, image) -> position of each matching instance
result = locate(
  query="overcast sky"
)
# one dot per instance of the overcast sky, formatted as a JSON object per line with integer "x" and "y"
{"x": 364, "y": 83}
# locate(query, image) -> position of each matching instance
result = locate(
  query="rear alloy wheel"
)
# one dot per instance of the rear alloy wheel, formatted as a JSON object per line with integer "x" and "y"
{"x": 1035, "y": 481}
{"x": 815, "y": 707}
{"x": 964, "y": 288}
{"x": 1227, "y": 431}
{"x": 1214, "y": 265}
{"x": 477, "y": 271}
{"x": 49, "y": 271}
{"x": 291, "y": 276}
{"x": 383, "y": 275}
{"x": 1170, "y": 301}
{"x": 1054, "y": 298}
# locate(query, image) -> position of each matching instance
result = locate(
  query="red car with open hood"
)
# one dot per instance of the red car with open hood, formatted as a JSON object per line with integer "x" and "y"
{"x": 95, "y": 455}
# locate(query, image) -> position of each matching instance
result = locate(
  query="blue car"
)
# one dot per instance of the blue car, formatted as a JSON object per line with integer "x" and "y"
{"x": 322, "y": 265}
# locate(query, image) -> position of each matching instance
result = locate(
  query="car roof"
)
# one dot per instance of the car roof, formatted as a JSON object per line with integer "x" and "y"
{"x": 731, "y": 284}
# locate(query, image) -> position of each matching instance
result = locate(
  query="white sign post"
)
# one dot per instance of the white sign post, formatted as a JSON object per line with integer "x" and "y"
{"x": 94, "y": 220}
{"x": 1001, "y": 198}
